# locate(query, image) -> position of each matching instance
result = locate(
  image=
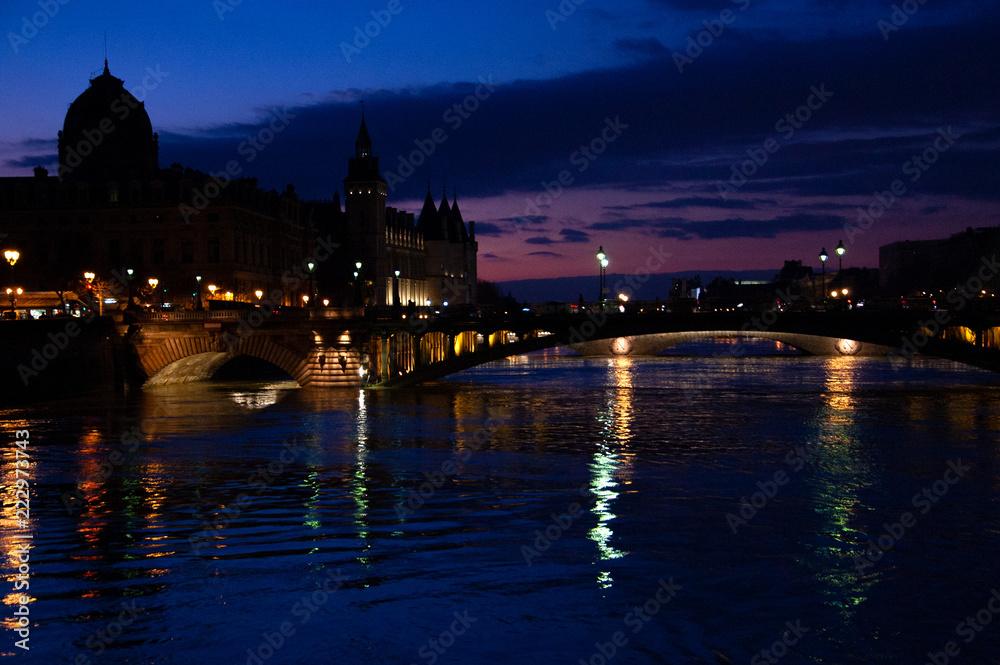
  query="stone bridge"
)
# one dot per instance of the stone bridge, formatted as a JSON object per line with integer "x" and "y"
{"x": 351, "y": 348}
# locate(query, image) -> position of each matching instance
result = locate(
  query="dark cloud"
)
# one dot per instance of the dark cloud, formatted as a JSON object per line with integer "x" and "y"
{"x": 527, "y": 219}
{"x": 572, "y": 235}
{"x": 744, "y": 228}
{"x": 539, "y": 240}
{"x": 688, "y": 129}
{"x": 694, "y": 202}
{"x": 618, "y": 224}
{"x": 548, "y": 254}
{"x": 489, "y": 229}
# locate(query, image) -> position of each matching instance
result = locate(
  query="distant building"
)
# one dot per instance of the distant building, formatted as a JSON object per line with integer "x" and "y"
{"x": 913, "y": 267}
{"x": 111, "y": 208}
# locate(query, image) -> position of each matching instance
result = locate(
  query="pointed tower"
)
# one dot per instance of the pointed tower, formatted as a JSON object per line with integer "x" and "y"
{"x": 364, "y": 207}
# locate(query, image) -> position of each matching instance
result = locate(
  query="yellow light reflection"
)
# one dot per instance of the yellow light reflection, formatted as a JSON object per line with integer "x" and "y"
{"x": 840, "y": 471}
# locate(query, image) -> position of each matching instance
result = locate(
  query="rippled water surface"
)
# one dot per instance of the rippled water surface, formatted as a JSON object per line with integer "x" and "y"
{"x": 543, "y": 509}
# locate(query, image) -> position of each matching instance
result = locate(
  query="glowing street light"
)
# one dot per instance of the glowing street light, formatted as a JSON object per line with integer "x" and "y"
{"x": 259, "y": 294}
{"x": 840, "y": 255}
{"x": 12, "y": 255}
{"x": 823, "y": 256}
{"x": 305, "y": 301}
{"x": 312, "y": 268}
{"x": 602, "y": 260}
{"x": 13, "y": 294}
{"x": 212, "y": 288}
{"x": 153, "y": 283}
{"x": 357, "y": 284}
{"x": 197, "y": 278}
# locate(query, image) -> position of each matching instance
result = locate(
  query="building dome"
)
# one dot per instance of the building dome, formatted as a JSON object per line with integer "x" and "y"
{"x": 107, "y": 131}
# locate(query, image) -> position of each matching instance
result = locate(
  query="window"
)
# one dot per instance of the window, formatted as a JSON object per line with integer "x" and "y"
{"x": 187, "y": 251}
{"x": 213, "y": 250}
{"x": 113, "y": 194}
{"x": 157, "y": 251}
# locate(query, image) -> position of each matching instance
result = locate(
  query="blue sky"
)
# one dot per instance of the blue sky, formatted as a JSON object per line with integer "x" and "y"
{"x": 679, "y": 117}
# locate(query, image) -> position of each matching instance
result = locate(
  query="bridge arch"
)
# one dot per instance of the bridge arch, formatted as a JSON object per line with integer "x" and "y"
{"x": 654, "y": 343}
{"x": 197, "y": 358}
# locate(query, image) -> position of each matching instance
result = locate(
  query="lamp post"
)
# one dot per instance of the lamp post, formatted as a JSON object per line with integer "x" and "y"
{"x": 259, "y": 294}
{"x": 95, "y": 294}
{"x": 395, "y": 290}
{"x": 13, "y": 294}
{"x": 128, "y": 277}
{"x": 357, "y": 284}
{"x": 840, "y": 256}
{"x": 312, "y": 268}
{"x": 823, "y": 256}
{"x": 602, "y": 260}
{"x": 198, "y": 307}
{"x": 153, "y": 283}
{"x": 212, "y": 288}
{"x": 12, "y": 255}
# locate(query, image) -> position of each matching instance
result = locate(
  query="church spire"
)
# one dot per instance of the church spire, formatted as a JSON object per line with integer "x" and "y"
{"x": 363, "y": 146}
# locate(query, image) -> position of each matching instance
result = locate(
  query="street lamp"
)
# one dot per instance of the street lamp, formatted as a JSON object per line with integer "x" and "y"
{"x": 305, "y": 301}
{"x": 395, "y": 290}
{"x": 13, "y": 294}
{"x": 212, "y": 288}
{"x": 357, "y": 284}
{"x": 197, "y": 278}
{"x": 602, "y": 260}
{"x": 128, "y": 277}
{"x": 840, "y": 255}
{"x": 94, "y": 293}
{"x": 153, "y": 282}
{"x": 259, "y": 294}
{"x": 12, "y": 255}
{"x": 312, "y": 268}
{"x": 823, "y": 256}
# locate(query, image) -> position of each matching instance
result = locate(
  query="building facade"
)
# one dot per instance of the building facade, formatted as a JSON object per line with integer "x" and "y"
{"x": 111, "y": 209}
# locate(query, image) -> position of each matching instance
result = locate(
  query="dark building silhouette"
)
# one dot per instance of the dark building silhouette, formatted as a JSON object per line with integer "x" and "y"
{"x": 909, "y": 268}
{"x": 111, "y": 207}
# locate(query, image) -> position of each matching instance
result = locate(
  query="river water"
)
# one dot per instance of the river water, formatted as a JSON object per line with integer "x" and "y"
{"x": 543, "y": 509}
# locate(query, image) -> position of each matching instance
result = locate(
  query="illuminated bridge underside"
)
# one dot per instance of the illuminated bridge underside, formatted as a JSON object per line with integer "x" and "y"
{"x": 332, "y": 352}
{"x": 178, "y": 353}
{"x": 649, "y": 345}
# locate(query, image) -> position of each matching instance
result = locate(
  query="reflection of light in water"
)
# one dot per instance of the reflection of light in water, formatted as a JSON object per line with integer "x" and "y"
{"x": 616, "y": 420}
{"x": 359, "y": 486}
{"x": 602, "y": 487}
{"x": 258, "y": 399}
{"x": 621, "y": 369}
{"x": 841, "y": 472}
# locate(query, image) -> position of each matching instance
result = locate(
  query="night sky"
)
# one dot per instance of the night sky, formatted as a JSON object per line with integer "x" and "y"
{"x": 834, "y": 99}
